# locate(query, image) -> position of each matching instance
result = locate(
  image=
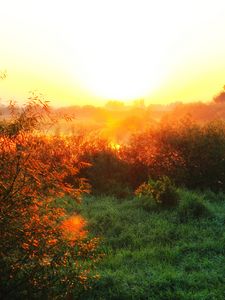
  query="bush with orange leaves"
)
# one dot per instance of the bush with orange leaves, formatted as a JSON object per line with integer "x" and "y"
{"x": 37, "y": 257}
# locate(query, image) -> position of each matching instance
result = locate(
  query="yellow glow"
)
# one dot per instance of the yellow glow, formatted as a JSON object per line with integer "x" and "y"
{"x": 115, "y": 146}
{"x": 86, "y": 52}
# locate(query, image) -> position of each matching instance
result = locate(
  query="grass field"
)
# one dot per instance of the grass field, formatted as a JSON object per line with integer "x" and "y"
{"x": 164, "y": 254}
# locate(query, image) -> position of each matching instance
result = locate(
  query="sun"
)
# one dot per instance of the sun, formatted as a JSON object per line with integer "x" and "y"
{"x": 123, "y": 80}
{"x": 124, "y": 74}
{"x": 122, "y": 58}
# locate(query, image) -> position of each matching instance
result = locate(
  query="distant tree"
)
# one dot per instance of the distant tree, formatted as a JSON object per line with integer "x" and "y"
{"x": 220, "y": 98}
{"x": 114, "y": 105}
{"x": 140, "y": 103}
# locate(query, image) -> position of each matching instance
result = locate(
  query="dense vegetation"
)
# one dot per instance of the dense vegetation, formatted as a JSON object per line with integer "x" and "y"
{"x": 156, "y": 203}
{"x": 191, "y": 154}
{"x": 43, "y": 253}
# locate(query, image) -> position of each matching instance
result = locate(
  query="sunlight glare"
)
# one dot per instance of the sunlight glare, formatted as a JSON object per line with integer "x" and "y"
{"x": 115, "y": 146}
{"x": 124, "y": 60}
{"x": 126, "y": 74}
{"x": 89, "y": 52}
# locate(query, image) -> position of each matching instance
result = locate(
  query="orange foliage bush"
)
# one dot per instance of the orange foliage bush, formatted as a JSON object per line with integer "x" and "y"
{"x": 191, "y": 154}
{"x": 35, "y": 255}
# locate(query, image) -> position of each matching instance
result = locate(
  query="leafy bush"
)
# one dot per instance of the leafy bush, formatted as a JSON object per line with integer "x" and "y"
{"x": 161, "y": 193}
{"x": 107, "y": 173}
{"x": 192, "y": 206}
{"x": 38, "y": 259}
{"x": 192, "y": 154}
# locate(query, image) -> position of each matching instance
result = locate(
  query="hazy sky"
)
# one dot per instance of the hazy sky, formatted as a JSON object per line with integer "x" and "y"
{"x": 85, "y": 52}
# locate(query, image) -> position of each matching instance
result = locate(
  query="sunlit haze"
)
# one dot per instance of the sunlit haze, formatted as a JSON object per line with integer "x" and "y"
{"x": 89, "y": 52}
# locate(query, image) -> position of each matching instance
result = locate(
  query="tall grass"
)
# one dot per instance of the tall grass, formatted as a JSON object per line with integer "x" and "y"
{"x": 166, "y": 254}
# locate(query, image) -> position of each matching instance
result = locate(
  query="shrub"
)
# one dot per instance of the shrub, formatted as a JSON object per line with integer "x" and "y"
{"x": 38, "y": 259}
{"x": 192, "y": 154}
{"x": 106, "y": 173}
{"x": 161, "y": 193}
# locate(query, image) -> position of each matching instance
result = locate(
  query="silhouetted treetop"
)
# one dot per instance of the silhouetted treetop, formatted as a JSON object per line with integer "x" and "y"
{"x": 220, "y": 98}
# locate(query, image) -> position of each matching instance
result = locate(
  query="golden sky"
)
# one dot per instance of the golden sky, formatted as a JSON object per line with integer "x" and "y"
{"x": 87, "y": 52}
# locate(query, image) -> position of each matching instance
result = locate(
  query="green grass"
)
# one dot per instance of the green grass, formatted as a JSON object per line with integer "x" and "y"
{"x": 158, "y": 254}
